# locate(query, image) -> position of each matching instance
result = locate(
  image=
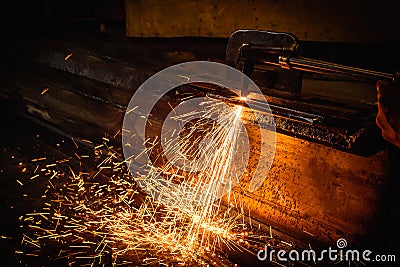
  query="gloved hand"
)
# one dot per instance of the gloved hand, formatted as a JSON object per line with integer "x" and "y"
{"x": 388, "y": 118}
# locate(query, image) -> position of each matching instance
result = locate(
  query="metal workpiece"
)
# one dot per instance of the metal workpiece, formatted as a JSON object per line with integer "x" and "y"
{"x": 341, "y": 128}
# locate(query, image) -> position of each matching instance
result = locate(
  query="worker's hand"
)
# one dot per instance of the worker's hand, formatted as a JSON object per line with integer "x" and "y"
{"x": 388, "y": 118}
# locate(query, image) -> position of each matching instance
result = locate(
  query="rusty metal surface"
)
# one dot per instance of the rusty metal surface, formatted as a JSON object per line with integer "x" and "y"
{"x": 322, "y": 193}
{"x": 345, "y": 21}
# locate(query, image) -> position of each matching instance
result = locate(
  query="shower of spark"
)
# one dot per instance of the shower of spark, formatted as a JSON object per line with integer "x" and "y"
{"x": 210, "y": 173}
{"x": 105, "y": 217}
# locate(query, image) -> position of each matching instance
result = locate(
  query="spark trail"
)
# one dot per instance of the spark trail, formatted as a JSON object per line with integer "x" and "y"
{"x": 104, "y": 216}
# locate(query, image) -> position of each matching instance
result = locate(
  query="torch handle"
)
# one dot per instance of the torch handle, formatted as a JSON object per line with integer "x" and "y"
{"x": 336, "y": 70}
